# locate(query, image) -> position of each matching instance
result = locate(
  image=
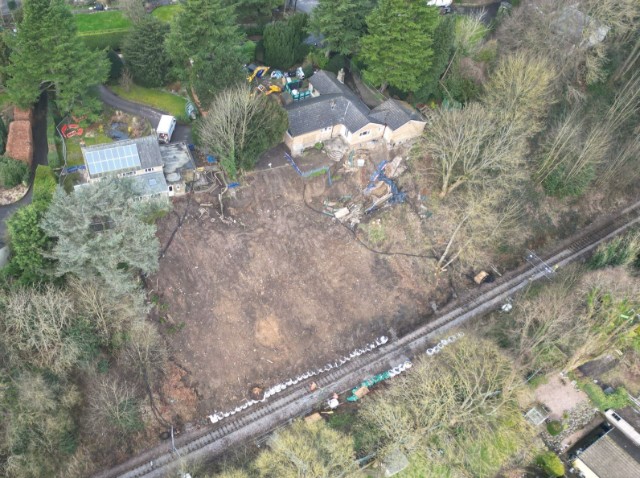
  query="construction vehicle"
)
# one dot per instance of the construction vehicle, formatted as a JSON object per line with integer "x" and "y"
{"x": 258, "y": 72}
{"x": 273, "y": 89}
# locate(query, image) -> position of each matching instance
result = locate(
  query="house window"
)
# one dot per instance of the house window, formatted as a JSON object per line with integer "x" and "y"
{"x": 148, "y": 170}
{"x": 365, "y": 133}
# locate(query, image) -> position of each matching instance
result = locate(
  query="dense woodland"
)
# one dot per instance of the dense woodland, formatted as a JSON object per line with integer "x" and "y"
{"x": 525, "y": 116}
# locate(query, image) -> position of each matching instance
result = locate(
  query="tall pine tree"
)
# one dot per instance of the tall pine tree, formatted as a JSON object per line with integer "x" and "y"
{"x": 144, "y": 52}
{"x": 398, "y": 50}
{"x": 342, "y": 23}
{"x": 205, "y": 44}
{"x": 46, "y": 54}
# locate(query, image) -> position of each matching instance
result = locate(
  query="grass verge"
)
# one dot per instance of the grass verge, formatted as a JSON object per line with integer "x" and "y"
{"x": 166, "y": 12}
{"x": 162, "y": 100}
{"x": 101, "y": 22}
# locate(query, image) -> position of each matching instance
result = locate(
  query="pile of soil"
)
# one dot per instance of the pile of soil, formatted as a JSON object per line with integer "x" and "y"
{"x": 20, "y": 138}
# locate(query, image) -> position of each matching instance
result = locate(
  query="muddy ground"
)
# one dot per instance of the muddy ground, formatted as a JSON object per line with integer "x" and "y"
{"x": 280, "y": 288}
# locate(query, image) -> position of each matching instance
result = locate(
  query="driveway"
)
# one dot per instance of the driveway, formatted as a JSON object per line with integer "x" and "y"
{"x": 39, "y": 130}
{"x": 182, "y": 132}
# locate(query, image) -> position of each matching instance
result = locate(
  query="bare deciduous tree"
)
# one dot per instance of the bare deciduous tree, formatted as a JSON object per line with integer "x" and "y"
{"x": 574, "y": 146}
{"x": 470, "y": 147}
{"x": 111, "y": 314}
{"x": 308, "y": 449}
{"x": 520, "y": 92}
{"x": 574, "y": 319}
{"x": 236, "y": 124}
{"x": 114, "y": 405}
{"x": 145, "y": 352}
{"x": 460, "y": 390}
{"x": 610, "y": 316}
{"x": 34, "y": 328}
{"x": 573, "y": 47}
{"x": 478, "y": 220}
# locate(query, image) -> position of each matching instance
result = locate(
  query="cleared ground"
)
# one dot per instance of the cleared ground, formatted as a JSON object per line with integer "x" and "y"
{"x": 277, "y": 291}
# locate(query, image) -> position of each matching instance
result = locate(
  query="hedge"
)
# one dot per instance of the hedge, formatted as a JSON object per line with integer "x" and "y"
{"x": 101, "y": 40}
{"x": 44, "y": 184}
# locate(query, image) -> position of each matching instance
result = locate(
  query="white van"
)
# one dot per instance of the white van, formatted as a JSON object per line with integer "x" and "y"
{"x": 165, "y": 128}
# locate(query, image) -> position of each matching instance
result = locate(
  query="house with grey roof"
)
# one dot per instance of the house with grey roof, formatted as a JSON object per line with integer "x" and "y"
{"x": 138, "y": 158}
{"x": 334, "y": 111}
{"x": 614, "y": 455}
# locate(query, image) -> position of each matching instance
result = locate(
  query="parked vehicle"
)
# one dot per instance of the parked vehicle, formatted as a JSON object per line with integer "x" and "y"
{"x": 165, "y": 128}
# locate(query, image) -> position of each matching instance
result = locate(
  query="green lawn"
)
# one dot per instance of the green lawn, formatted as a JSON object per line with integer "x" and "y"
{"x": 172, "y": 104}
{"x": 101, "y": 22}
{"x": 167, "y": 12}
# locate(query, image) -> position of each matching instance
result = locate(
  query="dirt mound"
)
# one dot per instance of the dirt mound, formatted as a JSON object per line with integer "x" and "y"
{"x": 20, "y": 141}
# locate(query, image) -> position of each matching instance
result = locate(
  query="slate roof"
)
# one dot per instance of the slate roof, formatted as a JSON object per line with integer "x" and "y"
{"x": 148, "y": 184}
{"x": 395, "y": 113}
{"x": 613, "y": 456}
{"x": 148, "y": 151}
{"x": 337, "y": 104}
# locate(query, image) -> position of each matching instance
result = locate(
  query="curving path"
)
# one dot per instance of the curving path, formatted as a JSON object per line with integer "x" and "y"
{"x": 182, "y": 132}
{"x": 40, "y": 149}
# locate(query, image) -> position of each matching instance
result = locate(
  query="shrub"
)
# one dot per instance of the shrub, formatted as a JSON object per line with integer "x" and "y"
{"x": 44, "y": 184}
{"x": 556, "y": 184}
{"x": 551, "y": 464}
{"x": 461, "y": 88}
{"x": 13, "y": 172}
{"x": 317, "y": 58}
{"x": 618, "y": 399}
{"x": 620, "y": 251}
{"x": 249, "y": 51}
{"x": 555, "y": 427}
{"x": 335, "y": 63}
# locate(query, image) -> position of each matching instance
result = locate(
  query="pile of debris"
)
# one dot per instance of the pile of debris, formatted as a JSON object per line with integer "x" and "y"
{"x": 381, "y": 188}
{"x": 344, "y": 210}
{"x": 20, "y": 138}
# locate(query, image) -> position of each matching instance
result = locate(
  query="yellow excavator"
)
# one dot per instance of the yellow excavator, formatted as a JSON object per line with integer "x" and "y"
{"x": 267, "y": 90}
{"x": 257, "y": 73}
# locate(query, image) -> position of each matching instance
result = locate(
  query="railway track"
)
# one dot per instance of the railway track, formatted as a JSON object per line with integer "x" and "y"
{"x": 295, "y": 401}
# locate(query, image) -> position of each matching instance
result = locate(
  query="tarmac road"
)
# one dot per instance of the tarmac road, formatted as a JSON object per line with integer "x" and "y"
{"x": 39, "y": 131}
{"x": 182, "y": 132}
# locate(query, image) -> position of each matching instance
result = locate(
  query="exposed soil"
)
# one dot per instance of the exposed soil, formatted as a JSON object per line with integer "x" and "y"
{"x": 559, "y": 396}
{"x": 278, "y": 290}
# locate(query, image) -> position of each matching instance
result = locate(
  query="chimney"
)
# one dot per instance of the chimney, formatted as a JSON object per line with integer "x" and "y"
{"x": 341, "y": 75}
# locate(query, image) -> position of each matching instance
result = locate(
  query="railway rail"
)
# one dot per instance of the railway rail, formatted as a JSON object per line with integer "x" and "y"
{"x": 261, "y": 419}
